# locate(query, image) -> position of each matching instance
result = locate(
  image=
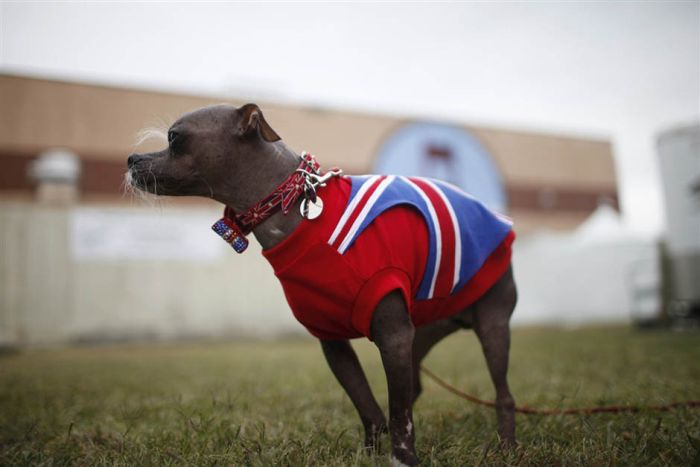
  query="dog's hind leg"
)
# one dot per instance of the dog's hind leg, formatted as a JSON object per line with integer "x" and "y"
{"x": 491, "y": 323}
{"x": 426, "y": 337}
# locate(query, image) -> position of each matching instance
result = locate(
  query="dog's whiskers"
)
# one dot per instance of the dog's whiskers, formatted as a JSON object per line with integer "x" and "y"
{"x": 152, "y": 175}
{"x": 130, "y": 189}
{"x": 125, "y": 187}
{"x": 156, "y": 132}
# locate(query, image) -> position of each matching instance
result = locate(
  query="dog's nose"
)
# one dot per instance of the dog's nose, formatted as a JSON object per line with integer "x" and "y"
{"x": 133, "y": 160}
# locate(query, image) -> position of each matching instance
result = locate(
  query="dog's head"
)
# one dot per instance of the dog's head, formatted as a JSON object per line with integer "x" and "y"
{"x": 208, "y": 150}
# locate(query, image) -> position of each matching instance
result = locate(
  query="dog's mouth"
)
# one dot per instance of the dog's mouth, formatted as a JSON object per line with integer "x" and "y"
{"x": 132, "y": 187}
{"x": 140, "y": 180}
{"x": 150, "y": 182}
{"x": 147, "y": 180}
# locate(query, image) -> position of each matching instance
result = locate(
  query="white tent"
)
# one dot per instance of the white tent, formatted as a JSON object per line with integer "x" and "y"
{"x": 601, "y": 272}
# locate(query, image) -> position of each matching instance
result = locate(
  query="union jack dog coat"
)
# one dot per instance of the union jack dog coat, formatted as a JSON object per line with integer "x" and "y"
{"x": 440, "y": 247}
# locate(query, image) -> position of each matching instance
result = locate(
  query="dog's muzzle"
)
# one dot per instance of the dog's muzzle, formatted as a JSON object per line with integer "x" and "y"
{"x": 133, "y": 160}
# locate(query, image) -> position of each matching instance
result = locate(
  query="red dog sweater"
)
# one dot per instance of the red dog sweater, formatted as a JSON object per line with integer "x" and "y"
{"x": 438, "y": 246}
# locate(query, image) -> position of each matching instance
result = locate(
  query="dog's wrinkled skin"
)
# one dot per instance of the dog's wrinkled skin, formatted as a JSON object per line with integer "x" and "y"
{"x": 233, "y": 156}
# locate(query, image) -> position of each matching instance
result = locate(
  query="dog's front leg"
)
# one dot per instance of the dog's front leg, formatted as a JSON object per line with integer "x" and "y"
{"x": 347, "y": 369}
{"x": 393, "y": 332}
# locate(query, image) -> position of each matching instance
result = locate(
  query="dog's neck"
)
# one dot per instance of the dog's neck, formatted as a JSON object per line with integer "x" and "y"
{"x": 274, "y": 163}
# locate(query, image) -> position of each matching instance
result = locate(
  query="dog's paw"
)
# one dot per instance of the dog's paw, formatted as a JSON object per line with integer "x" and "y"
{"x": 373, "y": 435}
{"x": 395, "y": 462}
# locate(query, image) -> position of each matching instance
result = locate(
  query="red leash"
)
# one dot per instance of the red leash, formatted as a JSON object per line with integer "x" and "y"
{"x": 580, "y": 411}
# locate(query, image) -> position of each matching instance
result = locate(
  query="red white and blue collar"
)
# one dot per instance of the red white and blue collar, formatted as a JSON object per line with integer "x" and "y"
{"x": 233, "y": 227}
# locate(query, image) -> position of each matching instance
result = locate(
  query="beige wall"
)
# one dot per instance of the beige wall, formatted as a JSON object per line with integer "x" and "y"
{"x": 102, "y": 123}
{"x": 532, "y": 158}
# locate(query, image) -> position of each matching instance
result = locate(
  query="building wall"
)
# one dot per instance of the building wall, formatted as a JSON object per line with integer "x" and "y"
{"x": 552, "y": 181}
{"x": 50, "y": 293}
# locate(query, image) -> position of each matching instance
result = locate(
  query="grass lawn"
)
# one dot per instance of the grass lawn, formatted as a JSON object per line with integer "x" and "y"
{"x": 276, "y": 403}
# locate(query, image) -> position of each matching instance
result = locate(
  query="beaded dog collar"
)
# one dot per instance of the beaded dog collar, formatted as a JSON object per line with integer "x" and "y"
{"x": 233, "y": 227}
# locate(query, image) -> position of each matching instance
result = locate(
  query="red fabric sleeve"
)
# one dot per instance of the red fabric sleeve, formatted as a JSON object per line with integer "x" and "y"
{"x": 373, "y": 291}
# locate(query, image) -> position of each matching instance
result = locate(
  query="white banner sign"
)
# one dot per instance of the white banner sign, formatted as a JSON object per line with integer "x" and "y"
{"x": 122, "y": 234}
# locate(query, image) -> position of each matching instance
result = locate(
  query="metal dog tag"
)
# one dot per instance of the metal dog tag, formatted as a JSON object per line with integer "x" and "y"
{"x": 311, "y": 209}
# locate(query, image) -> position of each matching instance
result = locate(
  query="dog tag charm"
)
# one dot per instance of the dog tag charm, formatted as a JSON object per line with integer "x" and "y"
{"x": 311, "y": 209}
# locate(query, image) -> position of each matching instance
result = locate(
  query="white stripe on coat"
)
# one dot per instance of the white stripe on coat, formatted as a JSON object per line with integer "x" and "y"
{"x": 363, "y": 214}
{"x": 351, "y": 207}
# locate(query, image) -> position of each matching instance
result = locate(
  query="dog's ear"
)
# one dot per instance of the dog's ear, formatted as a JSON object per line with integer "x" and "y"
{"x": 252, "y": 120}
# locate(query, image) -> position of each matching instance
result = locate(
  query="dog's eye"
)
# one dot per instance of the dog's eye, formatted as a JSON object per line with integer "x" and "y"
{"x": 171, "y": 136}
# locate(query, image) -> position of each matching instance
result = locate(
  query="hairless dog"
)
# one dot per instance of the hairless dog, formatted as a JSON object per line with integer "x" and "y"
{"x": 233, "y": 156}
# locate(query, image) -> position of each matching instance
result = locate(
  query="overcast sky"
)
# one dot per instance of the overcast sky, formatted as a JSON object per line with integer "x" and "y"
{"x": 622, "y": 71}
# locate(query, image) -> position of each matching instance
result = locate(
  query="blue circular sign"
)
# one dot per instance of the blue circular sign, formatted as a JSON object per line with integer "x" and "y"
{"x": 446, "y": 153}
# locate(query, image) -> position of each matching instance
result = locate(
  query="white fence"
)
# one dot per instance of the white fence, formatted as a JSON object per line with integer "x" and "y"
{"x": 82, "y": 273}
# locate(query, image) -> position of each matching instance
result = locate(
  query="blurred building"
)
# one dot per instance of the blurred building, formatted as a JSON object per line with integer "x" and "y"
{"x": 80, "y": 261}
{"x": 551, "y": 181}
